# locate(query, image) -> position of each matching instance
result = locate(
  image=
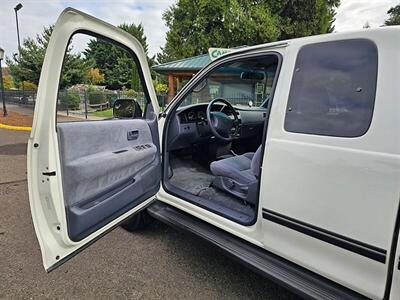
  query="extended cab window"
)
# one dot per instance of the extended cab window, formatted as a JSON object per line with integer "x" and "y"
{"x": 333, "y": 88}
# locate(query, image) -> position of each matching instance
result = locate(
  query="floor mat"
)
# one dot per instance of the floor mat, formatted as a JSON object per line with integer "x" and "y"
{"x": 190, "y": 176}
{"x": 193, "y": 178}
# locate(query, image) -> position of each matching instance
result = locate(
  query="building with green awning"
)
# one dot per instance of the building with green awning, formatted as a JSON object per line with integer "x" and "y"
{"x": 180, "y": 71}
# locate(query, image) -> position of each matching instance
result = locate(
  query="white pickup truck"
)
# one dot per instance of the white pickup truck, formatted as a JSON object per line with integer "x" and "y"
{"x": 301, "y": 185}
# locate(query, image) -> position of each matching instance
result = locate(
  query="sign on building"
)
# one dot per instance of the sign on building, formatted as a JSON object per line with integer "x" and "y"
{"x": 214, "y": 53}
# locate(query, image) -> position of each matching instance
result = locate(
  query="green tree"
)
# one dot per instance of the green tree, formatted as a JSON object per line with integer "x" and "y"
{"x": 299, "y": 18}
{"x": 118, "y": 67}
{"x": 394, "y": 16}
{"x": 29, "y": 65}
{"x": 196, "y": 25}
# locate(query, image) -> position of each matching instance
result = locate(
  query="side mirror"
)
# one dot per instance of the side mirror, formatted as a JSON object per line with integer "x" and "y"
{"x": 126, "y": 109}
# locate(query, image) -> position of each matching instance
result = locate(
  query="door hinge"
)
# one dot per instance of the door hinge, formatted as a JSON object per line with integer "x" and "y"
{"x": 53, "y": 173}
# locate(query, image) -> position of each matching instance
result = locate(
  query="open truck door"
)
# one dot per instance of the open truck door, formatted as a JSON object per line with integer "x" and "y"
{"x": 85, "y": 178}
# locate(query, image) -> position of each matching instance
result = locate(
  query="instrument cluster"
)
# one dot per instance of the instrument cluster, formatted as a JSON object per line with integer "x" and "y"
{"x": 192, "y": 116}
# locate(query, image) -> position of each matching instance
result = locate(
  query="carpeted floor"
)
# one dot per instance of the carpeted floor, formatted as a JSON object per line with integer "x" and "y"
{"x": 190, "y": 176}
{"x": 195, "y": 179}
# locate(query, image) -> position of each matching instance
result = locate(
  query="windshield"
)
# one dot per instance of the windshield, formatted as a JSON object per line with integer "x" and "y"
{"x": 245, "y": 82}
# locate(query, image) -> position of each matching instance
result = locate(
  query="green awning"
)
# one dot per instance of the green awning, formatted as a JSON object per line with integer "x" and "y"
{"x": 191, "y": 64}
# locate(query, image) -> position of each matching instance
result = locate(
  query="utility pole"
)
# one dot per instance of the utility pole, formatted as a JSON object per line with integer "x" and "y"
{"x": 16, "y": 9}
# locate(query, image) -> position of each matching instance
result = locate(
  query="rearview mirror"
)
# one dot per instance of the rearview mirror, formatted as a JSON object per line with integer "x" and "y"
{"x": 259, "y": 76}
{"x": 126, "y": 109}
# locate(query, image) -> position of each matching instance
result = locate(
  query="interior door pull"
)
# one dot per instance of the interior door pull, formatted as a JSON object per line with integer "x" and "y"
{"x": 53, "y": 173}
{"x": 133, "y": 135}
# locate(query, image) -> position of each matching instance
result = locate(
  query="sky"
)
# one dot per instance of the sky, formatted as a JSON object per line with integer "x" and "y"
{"x": 352, "y": 14}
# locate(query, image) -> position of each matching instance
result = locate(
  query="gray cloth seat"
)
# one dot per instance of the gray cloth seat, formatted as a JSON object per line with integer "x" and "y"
{"x": 241, "y": 168}
{"x": 238, "y": 174}
{"x": 235, "y": 167}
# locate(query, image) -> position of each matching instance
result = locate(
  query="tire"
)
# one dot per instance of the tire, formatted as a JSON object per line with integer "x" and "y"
{"x": 138, "y": 221}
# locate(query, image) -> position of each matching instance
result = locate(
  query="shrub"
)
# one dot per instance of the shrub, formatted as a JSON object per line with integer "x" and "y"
{"x": 70, "y": 100}
{"x": 96, "y": 97}
{"x": 129, "y": 93}
{"x": 161, "y": 88}
{"x": 27, "y": 85}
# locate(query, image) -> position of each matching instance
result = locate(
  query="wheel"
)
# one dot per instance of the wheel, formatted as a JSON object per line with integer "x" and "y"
{"x": 138, "y": 221}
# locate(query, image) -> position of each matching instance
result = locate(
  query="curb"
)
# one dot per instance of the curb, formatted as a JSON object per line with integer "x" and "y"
{"x": 10, "y": 127}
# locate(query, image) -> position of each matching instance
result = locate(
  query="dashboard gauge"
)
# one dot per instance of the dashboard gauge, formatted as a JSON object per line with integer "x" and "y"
{"x": 191, "y": 116}
{"x": 201, "y": 115}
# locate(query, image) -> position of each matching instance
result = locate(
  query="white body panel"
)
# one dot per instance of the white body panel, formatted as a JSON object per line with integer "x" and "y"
{"x": 45, "y": 193}
{"x": 349, "y": 186}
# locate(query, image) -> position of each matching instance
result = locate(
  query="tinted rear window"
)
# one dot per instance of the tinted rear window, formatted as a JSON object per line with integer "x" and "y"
{"x": 333, "y": 89}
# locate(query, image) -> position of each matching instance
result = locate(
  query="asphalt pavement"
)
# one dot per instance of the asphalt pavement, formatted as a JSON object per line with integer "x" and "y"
{"x": 155, "y": 263}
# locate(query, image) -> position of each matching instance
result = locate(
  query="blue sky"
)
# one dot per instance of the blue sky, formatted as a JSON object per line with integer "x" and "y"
{"x": 35, "y": 14}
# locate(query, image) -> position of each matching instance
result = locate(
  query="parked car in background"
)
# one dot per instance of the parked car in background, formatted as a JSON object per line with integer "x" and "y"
{"x": 302, "y": 187}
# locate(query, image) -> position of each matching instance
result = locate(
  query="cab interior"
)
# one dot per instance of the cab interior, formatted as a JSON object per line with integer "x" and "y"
{"x": 213, "y": 138}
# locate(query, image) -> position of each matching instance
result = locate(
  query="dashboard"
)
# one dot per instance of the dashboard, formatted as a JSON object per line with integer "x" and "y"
{"x": 189, "y": 126}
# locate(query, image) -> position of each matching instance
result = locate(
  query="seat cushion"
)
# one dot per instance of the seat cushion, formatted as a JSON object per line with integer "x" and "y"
{"x": 237, "y": 168}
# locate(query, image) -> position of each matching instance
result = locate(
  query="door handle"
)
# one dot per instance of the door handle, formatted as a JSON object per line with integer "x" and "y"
{"x": 133, "y": 135}
{"x": 53, "y": 173}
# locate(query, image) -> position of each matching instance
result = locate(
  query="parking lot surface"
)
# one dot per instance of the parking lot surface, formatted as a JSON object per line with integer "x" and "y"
{"x": 156, "y": 263}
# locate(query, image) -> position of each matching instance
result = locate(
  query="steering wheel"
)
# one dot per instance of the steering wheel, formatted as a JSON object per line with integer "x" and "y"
{"x": 221, "y": 125}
